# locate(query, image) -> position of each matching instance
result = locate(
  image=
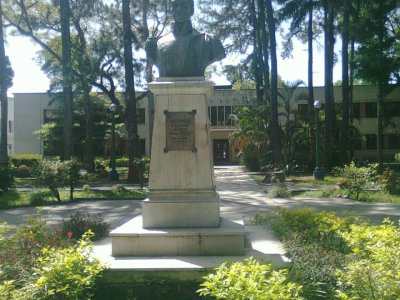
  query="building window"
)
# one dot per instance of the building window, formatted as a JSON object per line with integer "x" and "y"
{"x": 10, "y": 127}
{"x": 141, "y": 115}
{"x": 356, "y": 110}
{"x": 370, "y": 110}
{"x": 394, "y": 141}
{"x": 392, "y": 109}
{"x": 371, "y": 141}
{"x": 228, "y": 113}
{"x": 142, "y": 147}
{"x": 220, "y": 115}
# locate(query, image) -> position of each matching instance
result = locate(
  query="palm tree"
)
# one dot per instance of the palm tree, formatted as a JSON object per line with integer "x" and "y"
{"x": 288, "y": 100}
{"x": 300, "y": 11}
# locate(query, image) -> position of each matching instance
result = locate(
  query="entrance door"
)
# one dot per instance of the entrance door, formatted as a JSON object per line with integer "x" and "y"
{"x": 221, "y": 151}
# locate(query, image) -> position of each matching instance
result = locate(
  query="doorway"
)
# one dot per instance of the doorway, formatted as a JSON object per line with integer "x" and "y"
{"x": 221, "y": 151}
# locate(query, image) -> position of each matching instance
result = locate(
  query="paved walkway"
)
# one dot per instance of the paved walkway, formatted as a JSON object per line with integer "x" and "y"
{"x": 239, "y": 195}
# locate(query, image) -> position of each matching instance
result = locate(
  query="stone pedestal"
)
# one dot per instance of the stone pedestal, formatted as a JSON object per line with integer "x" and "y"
{"x": 181, "y": 215}
{"x": 182, "y": 190}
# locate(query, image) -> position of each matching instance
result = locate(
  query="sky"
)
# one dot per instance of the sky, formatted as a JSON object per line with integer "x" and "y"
{"x": 29, "y": 78}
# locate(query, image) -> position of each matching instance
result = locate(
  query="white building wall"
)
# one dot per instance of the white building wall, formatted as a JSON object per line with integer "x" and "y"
{"x": 28, "y": 112}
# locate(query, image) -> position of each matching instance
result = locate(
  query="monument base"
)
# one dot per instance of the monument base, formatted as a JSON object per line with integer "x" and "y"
{"x": 131, "y": 239}
{"x": 179, "y": 209}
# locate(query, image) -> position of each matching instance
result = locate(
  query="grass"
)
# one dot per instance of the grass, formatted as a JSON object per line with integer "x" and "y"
{"x": 12, "y": 199}
{"x": 367, "y": 196}
{"x": 328, "y": 188}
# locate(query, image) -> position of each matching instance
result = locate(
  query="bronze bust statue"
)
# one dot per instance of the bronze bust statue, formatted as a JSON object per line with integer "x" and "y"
{"x": 184, "y": 52}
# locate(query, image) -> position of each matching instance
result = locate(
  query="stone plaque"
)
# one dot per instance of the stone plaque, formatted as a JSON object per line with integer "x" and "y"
{"x": 180, "y": 131}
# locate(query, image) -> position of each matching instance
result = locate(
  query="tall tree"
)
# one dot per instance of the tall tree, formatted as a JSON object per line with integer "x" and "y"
{"x": 299, "y": 12}
{"x": 330, "y": 115}
{"x": 130, "y": 101}
{"x": 3, "y": 96}
{"x": 274, "y": 125}
{"x": 344, "y": 143}
{"x": 65, "y": 17}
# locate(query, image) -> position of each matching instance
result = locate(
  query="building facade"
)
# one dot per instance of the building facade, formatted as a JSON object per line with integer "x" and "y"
{"x": 32, "y": 110}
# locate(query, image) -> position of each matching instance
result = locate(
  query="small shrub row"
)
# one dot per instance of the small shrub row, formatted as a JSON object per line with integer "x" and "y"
{"x": 28, "y": 160}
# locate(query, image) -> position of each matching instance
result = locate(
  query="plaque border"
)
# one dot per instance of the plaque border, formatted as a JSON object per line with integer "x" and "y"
{"x": 193, "y": 112}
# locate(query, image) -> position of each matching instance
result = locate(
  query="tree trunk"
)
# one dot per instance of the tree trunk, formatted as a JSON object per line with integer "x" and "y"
{"x": 328, "y": 91}
{"x": 274, "y": 125}
{"x": 3, "y": 97}
{"x": 130, "y": 101}
{"x": 310, "y": 36}
{"x": 65, "y": 16}
{"x": 264, "y": 47}
{"x": 257, "y": 56}
{"x": 345, "y": 86}
{"x": 84, "y": 74}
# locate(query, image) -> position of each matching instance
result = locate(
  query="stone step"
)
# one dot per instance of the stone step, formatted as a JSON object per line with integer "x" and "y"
{"x": 131, "y": 239}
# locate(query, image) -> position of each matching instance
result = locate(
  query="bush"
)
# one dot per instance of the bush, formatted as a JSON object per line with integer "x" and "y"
{"x": 79, "y": 223}
{"x": 122, "y": 162}
{"x": 68, "y": 273}
{"x": 56, "y": 174}
{"x": 29, "y": 160}
{"x": 388, "y": 181}
{"x": 249, "y": 158}
{"x": 279, "y": 191}
{"x": 356, "y": 179}
{"x": 23, "y": 171}
{"x": 374, "y": 270}
{"x": 39, "y": 198}
{"x": 6, "y": 179}
{"x": 249, "y": 280}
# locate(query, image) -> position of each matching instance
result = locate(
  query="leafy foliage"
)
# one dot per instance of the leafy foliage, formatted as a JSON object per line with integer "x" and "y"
{"x": 62, "y": 268}
{"x": 249, "y": 280}
{"x": 374, "y": 270}
{"x": 279, "y": 191}
{"x": 56, "y": 174}
{"x": 388, "y": 181}
{"x": 6, "y": 179}
{"x": 356, "y": 179}
{"x": 338, "y": 258}
{"x": 29, "y": 160}
{"x": 79, "y": 223}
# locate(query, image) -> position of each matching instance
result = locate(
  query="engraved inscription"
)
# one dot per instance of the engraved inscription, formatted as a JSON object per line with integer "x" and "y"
{"x": 180, "y": 131}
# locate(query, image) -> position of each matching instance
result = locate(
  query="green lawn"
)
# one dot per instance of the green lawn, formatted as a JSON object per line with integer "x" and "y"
{"x": 13, "y": 199}
{"x": 329, "y": 188}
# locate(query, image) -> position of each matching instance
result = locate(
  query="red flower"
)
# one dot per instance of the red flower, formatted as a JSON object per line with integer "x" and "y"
{"x": 69, "y": 234}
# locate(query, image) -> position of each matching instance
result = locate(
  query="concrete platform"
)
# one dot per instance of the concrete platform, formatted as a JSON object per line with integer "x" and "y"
{"x": 132, "y": 239}
{"x": 259, "y": 243}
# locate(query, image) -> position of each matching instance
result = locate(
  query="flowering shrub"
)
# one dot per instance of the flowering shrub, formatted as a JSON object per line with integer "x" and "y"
{"x": 79, "y": 223}
{"x": 62, "y": 268}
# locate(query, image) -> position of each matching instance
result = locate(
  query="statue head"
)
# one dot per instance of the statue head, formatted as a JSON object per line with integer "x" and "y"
{"x": 182, "y": 10}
